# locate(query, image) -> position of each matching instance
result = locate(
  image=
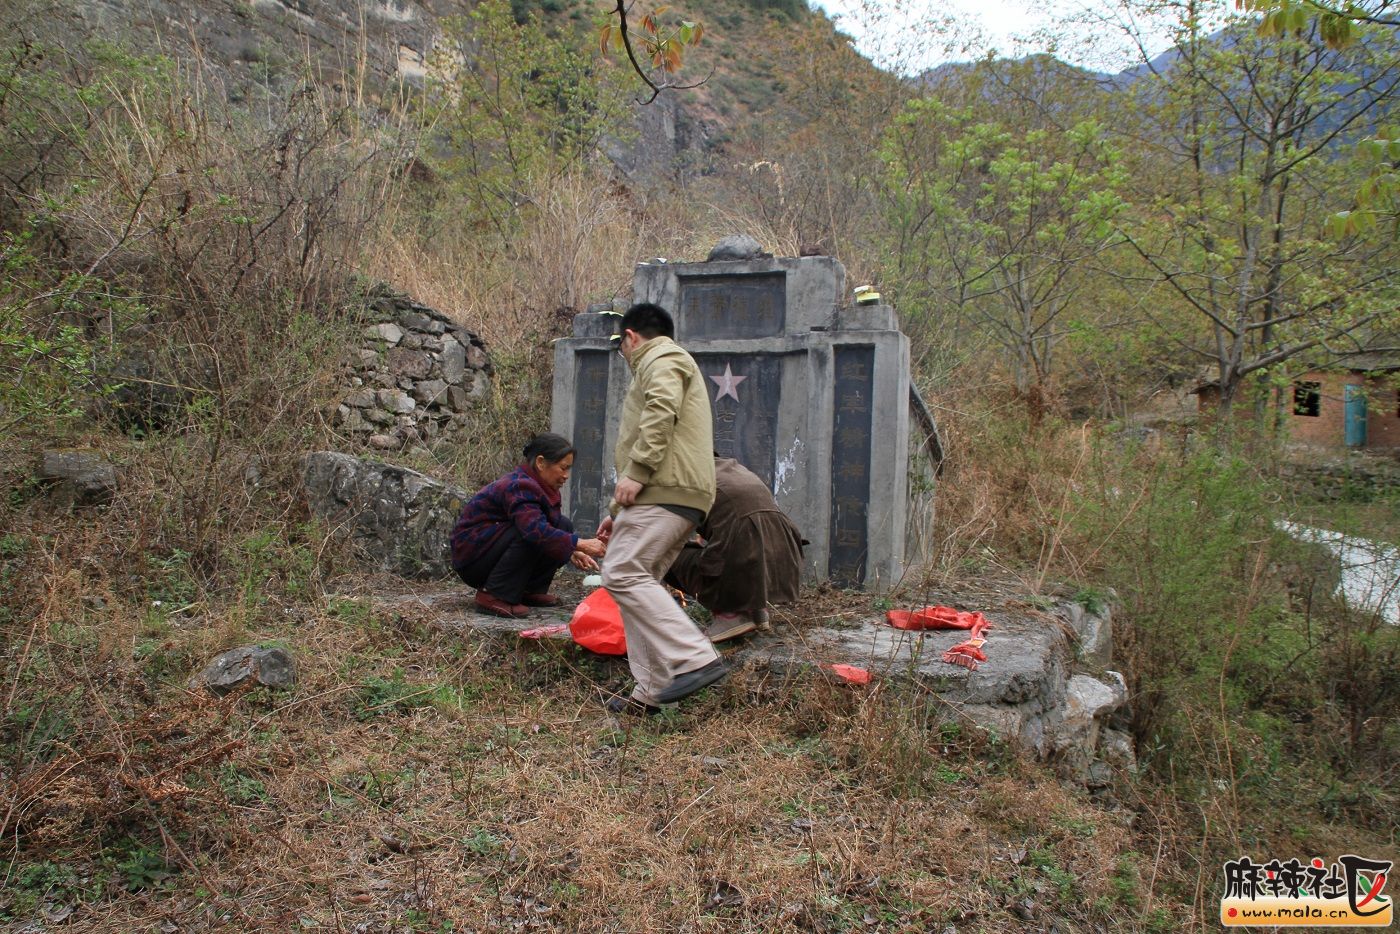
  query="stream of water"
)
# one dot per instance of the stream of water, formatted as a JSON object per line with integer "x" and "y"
{"x": 1370, "y": 570}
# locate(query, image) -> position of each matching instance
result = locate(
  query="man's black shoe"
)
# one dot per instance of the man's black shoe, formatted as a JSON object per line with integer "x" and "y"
{"x": 691, "y": 681}
{"x": 630, "y": 707}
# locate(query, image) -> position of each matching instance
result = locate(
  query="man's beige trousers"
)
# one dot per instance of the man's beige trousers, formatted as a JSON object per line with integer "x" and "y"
{"x": 662, "y": 642}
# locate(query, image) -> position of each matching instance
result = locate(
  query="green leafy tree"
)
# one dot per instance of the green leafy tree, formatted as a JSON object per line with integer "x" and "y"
{"x": 1254, "y": 133}
{"x": 1339, "y": 26}
{"x": 1335, "y": 23}
{"x": 995, "y": 229}
{"x": 518, "y": 106}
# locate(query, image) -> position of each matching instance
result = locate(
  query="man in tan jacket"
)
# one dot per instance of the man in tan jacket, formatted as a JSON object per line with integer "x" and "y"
{"x": 665, "y": 486}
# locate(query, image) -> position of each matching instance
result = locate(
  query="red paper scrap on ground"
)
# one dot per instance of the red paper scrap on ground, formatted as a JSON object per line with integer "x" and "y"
{"x": 934, "y": 617}
{"x": 967, "y": 654}
{"x": 851, "y": 673}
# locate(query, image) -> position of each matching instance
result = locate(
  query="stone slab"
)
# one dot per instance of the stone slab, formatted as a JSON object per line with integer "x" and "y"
{"x": 78, "y": 477}
{"x": 1021, "y": 692}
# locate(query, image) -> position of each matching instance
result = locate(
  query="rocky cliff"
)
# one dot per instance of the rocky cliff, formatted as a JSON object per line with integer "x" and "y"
{"x": 372, "y": 49}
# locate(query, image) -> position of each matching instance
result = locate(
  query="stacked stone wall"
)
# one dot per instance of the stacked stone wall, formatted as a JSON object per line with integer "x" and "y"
{"x": 415, "y": 379}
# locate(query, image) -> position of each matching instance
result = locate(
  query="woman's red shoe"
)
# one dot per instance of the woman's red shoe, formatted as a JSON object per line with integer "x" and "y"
{"x": 486, "y": 603}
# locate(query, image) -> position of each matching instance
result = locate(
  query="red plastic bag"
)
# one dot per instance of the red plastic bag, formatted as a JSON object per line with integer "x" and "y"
{"x": 968, "y": 654}
{"x": 597, "y": 624}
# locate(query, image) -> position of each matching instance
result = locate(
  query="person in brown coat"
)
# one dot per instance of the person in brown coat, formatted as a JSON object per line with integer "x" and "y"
{"x": 749, "y": 555}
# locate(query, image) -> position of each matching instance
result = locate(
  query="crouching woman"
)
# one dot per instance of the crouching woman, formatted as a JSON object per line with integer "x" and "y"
{"x": 512, "y": 537}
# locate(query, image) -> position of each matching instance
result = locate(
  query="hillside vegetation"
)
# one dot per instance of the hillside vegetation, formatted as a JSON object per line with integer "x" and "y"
{"x": 182, "y": 270}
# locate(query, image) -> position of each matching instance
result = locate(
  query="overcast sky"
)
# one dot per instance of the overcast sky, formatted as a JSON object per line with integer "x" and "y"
{"x": 901, "y": 35}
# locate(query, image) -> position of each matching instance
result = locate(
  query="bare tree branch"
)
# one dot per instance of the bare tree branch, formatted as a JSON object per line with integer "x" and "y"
{"x": 656, "y": 89}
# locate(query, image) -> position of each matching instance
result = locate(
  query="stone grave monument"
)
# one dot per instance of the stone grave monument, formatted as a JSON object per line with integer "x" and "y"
{"x": 810, "y": 393}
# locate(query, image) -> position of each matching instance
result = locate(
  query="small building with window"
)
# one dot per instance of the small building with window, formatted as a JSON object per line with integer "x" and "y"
{"x": 1354, "y": 403}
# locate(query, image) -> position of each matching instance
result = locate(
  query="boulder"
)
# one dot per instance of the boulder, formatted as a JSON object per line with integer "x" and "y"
{"x": 272, "y": 668}
{"x": 397, "y": 519}
{"x": 477, "y": 358}
{"x": 454, "y": 361}
{"x": 737, "y": 247}
{"x": 1092, "y": 630}
{"x": 1078, "y": 725}
{"x": 430, "y": 391}
{"x": 458, "y": 399}
{"x": 414, "y": 364}
{"x": 78, "y": 478}
{"x": 396, "y": 401}
{"x": 377, "y": 417}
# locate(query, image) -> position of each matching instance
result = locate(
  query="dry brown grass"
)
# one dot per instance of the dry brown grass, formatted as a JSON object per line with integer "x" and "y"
{"x": 1006, "y": 499}
{"x": 489, "y": 790}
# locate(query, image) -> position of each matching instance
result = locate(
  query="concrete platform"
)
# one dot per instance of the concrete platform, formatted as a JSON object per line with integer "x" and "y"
{"x": 1045, "y": 686}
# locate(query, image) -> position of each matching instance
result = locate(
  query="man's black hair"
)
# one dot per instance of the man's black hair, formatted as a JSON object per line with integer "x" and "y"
{"x": 649, "y": 321}
{"x": 553, "y": 448}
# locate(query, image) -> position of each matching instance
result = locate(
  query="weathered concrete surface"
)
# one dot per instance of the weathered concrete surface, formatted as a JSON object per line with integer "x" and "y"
{"x": 1031, "y": 691}
{"x": 398, "y": 519}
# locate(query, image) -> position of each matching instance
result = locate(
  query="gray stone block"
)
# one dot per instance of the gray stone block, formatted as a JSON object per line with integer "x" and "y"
{"x": 596, "y": 324}
{"x": 353, "y": 420}
{"x": 1094, "y": 630}
{"x": 397, "y": 519}
{"x": 477, "y": 358}
{"x": 377, "y": 416}
{"x": 389, "y": 333}
{"x": 78, "y": 478}
{"x": 865, "y": 318}
{"x": 410, "y": 364}
{"x": 454, "y": 361}
{"x": 396, "y": 401}
{"x": 430, "y": 392}
{"x": 458, "y": 399}
{"x": 270, "y": 667}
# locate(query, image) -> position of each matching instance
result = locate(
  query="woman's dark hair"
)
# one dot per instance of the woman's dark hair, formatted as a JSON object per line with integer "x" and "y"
{"x": 648, "y": 320}
{"x": 553, "y": 448}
